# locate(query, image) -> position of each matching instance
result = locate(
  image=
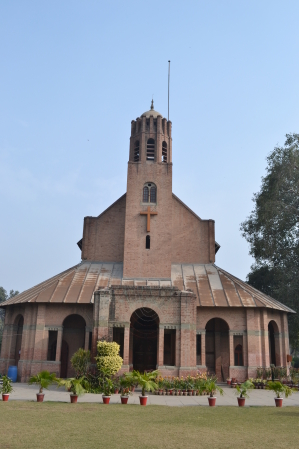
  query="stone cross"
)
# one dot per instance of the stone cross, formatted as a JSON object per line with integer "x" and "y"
{"x": 148, "y": 213}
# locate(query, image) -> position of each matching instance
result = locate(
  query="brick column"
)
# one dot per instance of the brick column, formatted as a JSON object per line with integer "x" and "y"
{"x": 160, "y": 352}
{"x": 58, "y": 345}
{"x": 203, "y": 348}
{"x": 86, "y": 341}
{"x": 102, "y": 300}
{"x": 187, "y": 362}
{"x": 231, "y": 349}
{"x": 126, "y": 345}
{"x": 265, "y": 339}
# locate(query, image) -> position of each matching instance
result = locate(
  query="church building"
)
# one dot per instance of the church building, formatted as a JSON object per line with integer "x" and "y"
{"x": 147, "y": 280}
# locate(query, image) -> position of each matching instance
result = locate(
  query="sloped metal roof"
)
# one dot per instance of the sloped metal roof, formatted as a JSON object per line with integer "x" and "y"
{"x": 213, "y": 286}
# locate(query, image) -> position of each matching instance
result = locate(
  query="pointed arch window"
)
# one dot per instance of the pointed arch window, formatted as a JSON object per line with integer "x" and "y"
{"x": 149, "y": 193}
{"x": 238, "y": 355}
{"x": 164, "y": 151}
{"x": 136, "y": 151}
{"x": 150, "y": 150}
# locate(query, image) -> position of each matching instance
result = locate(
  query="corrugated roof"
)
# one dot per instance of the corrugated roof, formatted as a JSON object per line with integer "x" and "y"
{"x": 213, "y": 286}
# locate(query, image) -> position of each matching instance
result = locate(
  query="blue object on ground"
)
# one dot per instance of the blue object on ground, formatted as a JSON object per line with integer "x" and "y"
{"x": 12, "y": 373}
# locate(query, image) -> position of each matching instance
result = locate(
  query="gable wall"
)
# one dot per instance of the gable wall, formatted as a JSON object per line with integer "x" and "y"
{"x": 103, "y": 236}
{"x": 193, "y": 240}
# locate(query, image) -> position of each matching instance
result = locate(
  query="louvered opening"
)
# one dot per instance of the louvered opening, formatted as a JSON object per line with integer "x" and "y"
{"x": 164, "y": 152}
{"x": 136, "y": 151}
{"x": 150, "y": 150}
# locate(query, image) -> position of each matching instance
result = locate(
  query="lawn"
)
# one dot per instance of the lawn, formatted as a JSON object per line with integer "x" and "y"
{"x": 61, "y": 425}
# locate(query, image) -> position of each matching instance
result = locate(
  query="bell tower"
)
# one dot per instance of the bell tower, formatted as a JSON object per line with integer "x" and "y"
{"x": 148, "y": 222}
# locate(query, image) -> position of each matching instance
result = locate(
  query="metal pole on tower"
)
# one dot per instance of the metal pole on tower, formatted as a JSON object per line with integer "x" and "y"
{"x": 168, "y": 85}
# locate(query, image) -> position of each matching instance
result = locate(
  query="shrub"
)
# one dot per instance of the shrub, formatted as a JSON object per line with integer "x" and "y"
{"x": 80, "y": 362}
{"x": 43, "y": 379}
{"x": 108, "y": 360}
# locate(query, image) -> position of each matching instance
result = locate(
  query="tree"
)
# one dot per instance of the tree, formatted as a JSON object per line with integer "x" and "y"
{"x": 272, "y": 230}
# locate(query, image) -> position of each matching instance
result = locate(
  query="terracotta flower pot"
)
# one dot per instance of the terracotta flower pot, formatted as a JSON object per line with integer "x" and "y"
{"x": 106, "y": 399}
{"x": 5, "y": 397}
{"x": 124, "y": 399}
{"x": 278, "y": 402}
{"x": 143, "y": 400}
{"x": 212, "y": 401}
{"x": 241, "y": 402}
{"x": 40, "y": 397}
{"x": 229, "y": 381}
{"x": 74, "y": 398}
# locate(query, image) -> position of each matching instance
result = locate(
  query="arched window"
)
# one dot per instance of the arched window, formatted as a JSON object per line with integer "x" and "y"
{"x": 149, "y": 193}
{"x": 150, "y": 150}
{"x": 164, "y": 151}
{"x": 153, "y": 194}
{"x": 238, "y": 355}
{"x": 148, "y": 242}
{"x": 145, "y": 194}
{"x": 136, "y": 151}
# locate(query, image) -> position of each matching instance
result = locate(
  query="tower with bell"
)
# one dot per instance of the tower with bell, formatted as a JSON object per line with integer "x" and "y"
{"x": 148, "y": 222}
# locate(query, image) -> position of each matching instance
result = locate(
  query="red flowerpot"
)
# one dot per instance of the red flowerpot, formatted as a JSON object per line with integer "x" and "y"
{"x": 116, "y": 391}
{"x": 278, "y": 402}
{"x": 241, "y": 402}
{"x": 5, "y": 397}
{"x": 212, "y": 401}
{"x": 106, "y": 399}
{"x": 124, "y": 399}
{"x": 229, "y": 381}
{"x": 40, "y": 397}
{"x": 74, "y": 398}
{"x": 143, "y": 400}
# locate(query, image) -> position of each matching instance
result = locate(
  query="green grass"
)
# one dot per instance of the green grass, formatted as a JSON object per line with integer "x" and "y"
{"x": 61, "y": 425}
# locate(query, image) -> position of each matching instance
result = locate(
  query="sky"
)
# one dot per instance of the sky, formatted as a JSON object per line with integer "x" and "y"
{"x": 75, "y": 73}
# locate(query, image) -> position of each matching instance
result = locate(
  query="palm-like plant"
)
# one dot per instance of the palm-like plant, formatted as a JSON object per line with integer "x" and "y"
{"x": 6, "y": 387}
{"x": 73, "y": 385}
{"x": 147, "y": 380}
{"x": 211, "y": 387}
{"x": 43, "y": 379}
{"x": 279, "y": 388}
{"x": 243, "y": 389}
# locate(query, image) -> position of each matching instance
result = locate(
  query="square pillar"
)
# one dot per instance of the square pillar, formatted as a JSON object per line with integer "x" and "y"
{"x": 127, "y": 345}
{"x": 86, "y": 341}
{"x": 203, "y": 348}
{"x": 231, "y": 350}
{"x": 160, "y": 351}
{"x": 59, "y": 343}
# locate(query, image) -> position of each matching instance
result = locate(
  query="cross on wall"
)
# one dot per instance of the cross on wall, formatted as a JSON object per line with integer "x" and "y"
{"x": 148, "y": 221}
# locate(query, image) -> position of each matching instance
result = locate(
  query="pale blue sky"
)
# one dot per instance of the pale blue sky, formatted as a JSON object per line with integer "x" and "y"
{"x": 75, "y": 73}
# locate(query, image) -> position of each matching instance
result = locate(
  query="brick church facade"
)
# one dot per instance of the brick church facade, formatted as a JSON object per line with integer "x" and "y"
{"x": 147, "y": 280}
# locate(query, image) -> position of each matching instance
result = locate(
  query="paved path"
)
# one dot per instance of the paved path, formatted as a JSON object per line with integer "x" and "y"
{"x": 24, "y": 392}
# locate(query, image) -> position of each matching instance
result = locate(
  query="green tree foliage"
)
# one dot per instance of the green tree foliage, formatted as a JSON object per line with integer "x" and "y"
{"x": 80, "y": 362}
{"x": 272, "y": 230}
{"x": 108, "y": 360}
{"x": 4, "y": 297}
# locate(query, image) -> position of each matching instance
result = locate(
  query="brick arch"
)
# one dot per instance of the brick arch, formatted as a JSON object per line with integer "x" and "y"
{"x": 143, "y": 305}
{"x": 73, "y": 338}
{"x": 274, "y": 345}
{"x": 275, "y": 326}
{"x": 144, "y": 333}
{"x": 83, "y": 314}
{"x": 218, "y": 318}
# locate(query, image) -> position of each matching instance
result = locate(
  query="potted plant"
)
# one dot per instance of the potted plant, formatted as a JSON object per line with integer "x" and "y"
{"x": 147, "y": 381}
{"x": 228, "y": 381}
{"x": 74, "y": 386}
{"x": 6, "y": 388}
{"x": 278, "y": 388}
{"x": 124, "y": 390}
{"x": 242, "y": 391}
{"x": 211, "y": 387}
{"x": 43, "y": 379}
{"x": 108, "y": 390}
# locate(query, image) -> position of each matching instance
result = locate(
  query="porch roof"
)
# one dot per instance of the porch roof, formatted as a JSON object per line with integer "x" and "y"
{"x": 213, "y": 286}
